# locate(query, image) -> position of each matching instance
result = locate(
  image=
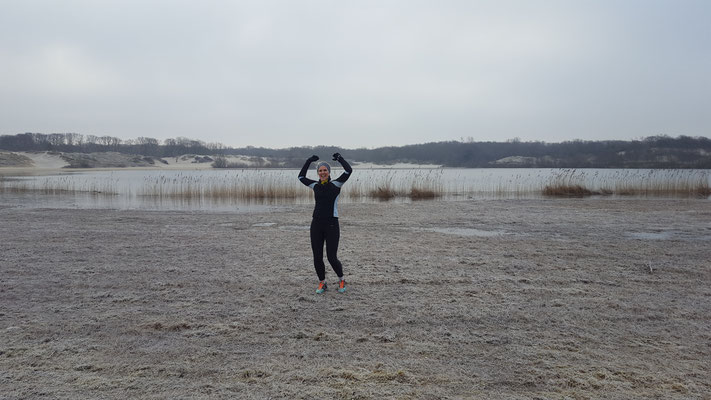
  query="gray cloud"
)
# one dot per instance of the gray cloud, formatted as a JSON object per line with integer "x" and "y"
{"x": 367, "y": 73}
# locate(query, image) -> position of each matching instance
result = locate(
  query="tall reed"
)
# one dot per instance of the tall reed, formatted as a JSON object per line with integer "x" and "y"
{"x": 272, "y": 185}
{"x": 655, "y": 183}
{"x": 55, "y": 186}
{"x": 223, "y": 188}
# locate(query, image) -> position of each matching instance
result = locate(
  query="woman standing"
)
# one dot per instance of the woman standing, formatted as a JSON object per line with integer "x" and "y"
{"x": 324, "y": 225}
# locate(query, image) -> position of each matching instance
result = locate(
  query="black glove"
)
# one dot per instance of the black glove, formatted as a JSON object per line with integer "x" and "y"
{"x": 313, "y": 158}
{"x": 337, "y": 157}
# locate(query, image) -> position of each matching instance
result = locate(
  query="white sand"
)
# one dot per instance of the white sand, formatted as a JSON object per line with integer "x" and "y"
{"x": 46, "y": 160}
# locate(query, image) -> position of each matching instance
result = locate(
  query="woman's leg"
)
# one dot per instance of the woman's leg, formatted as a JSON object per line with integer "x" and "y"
{"x": 317, "y": 238}
{"x": 333, "y": 234}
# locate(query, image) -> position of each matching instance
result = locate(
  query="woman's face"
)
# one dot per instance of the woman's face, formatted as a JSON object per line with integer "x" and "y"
{"x": 323, "y": 173}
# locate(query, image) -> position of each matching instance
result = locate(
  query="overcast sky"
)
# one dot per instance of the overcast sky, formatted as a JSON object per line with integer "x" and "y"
{"x": 356, "y": 73}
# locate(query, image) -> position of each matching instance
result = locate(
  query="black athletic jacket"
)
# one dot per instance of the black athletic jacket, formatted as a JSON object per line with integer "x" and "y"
{"x": 326, "y": 194}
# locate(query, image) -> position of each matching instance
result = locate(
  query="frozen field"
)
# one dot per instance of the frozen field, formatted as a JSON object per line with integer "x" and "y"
{"x": 594, "y": 298}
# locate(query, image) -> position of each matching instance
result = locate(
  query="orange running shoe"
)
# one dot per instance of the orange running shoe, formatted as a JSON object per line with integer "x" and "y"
{"x": 342, "y": 286}
{"x": 321, "y": 287}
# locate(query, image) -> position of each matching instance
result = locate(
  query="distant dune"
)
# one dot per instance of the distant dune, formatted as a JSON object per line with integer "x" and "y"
{"x": 57, "y": 160}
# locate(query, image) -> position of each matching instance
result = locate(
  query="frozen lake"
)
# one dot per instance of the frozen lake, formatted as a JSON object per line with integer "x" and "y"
{"x": 249, "y": 189}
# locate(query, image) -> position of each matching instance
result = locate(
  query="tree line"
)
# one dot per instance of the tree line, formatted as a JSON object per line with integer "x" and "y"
{"x": 651, "y": 152}
{"x": 78, "y": 143}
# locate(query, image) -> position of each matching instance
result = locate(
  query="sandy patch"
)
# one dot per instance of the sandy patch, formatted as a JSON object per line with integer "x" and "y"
{"x": 26, "y": 162}
{"x": 46, "y": 160}
{"x": 110, "y": 304}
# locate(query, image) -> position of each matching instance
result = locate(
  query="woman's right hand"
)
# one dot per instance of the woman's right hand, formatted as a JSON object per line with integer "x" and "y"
{"x": 313, "y": 158}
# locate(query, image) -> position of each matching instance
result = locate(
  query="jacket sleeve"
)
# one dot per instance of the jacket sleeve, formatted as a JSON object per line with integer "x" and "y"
{"x": 302, "y": 174}
{"x": 344, "y": 176}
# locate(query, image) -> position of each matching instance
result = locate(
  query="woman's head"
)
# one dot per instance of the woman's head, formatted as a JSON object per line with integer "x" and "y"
{"x": 323, "y": 170}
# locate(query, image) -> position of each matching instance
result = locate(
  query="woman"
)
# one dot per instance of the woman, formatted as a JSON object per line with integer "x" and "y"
{"x": 324, "y": 226}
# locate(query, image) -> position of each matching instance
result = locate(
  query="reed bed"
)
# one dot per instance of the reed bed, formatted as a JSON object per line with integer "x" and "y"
{"x": 427, "y": 186}
{"x": 496, "y": 183}
{"x": 274, "y": 185}
{"x": 420, "y": 185}
{"x": 567, "y": 191}
{"x": 269, "y": 186}
{"x": 419, "y": 193}
{"x": 383, "y": 193}
{"x": 225, "y": 188}
{"x": 55, "y": 186}
{"x": 652, "y": 183}
{"x": 675, "y": 186}
{"x": 281, "y": 187}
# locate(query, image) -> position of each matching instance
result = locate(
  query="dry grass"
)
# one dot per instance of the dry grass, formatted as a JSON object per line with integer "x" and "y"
{"x": 237, "y": 192}
{"x": 418, "y": 186}
{"x": 419, "y": 193}
{"x": 671, "y": 190}
{"x": 566, "y": 184}
{"x": 235, "y": 188}
{"x": 383, "y": 193}
{"x": 668, "y": 188}
{"x": 567, "y": 191}
{"x": 703, "y": 190}
{"x": 62, "y": 186}
{"x": 654, "y": 183}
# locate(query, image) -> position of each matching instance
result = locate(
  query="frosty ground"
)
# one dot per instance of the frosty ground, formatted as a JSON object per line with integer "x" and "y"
{"x": 592, "y": 298}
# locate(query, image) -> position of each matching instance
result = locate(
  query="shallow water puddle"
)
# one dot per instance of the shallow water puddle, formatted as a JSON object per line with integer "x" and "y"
{"x": 669, "y": 235}
{"x": 651, "y": 235}
{"x": 263, "y": 224}
{"x": 464, "y": 232}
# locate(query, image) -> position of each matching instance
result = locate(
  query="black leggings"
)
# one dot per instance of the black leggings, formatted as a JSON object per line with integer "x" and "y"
{"x": 325, "y": 229}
